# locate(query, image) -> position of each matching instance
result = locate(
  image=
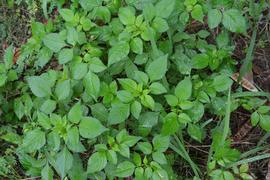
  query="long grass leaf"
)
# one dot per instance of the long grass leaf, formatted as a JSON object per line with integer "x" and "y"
{"x": 226, "y": 124}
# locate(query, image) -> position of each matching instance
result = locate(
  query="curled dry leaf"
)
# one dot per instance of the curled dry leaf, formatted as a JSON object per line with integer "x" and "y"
{"x": 244, "y": 82}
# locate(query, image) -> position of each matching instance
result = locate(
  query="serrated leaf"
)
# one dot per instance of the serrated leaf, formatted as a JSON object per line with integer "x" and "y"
{"x": 73, "y": 140}
{"x": 124, "y": 169}
{"x": 75, "y": 114}
{"x": 183, "y": 89}
{"x": 96, "y": 162}
{"x": 91, "y": 128}
{"x": 119, "y": 113}
{"x": 118, "y": 52}
{"x": 157, "y": 88}
{"x": 54, "y": 42}
{"x": 33, "y": 140}
{"x": 214, "y": 18}
{"x": 91, "y": 83}
{"x": 39, "y": 86}
{"x": 62, "y": 89}
{"x": 64, "y": 161}
{"x": 127, "y": 15}
{"x": 65, "y": 55}
{"x": 234, "y": 21}
{"x": 164, "y": 8}
{"x": 158, "y": 68}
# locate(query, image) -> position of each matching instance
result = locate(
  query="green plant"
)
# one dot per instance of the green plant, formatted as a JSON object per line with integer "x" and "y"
{"x": 108, "y": 88}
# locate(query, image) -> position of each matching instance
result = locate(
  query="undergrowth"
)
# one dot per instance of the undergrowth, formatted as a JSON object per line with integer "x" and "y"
{"x": 114, "y": 89}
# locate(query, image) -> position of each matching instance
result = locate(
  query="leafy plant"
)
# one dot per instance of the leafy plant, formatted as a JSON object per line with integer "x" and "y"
{"x": 109, "y": 89}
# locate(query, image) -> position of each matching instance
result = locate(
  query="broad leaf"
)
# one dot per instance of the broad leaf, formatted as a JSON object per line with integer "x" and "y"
{"x": 118, "y": 52}
{"x": 234, "y": 21}
{"x": 157, "y": 69}
{"x": 54, "y": 42}
{"x": 91, "y": 128}
{"x": 96, "y": 162}
{"x": 64, "y": 161}
{"x": 33, "y": 140}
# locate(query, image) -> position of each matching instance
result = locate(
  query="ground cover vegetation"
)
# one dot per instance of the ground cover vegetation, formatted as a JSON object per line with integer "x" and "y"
{"x": 134, "y": 89}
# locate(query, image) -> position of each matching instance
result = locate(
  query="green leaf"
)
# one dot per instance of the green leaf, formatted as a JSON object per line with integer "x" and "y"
{"x": 136, "y": 45}
{"x": 124, "y": 96}
{"x": 86, "y": 23}
{"x": 62, "y": 89}
{"x": 77, "y": 172}
{"x": 149, "y": 11}
{"x": 91, "y": 128}
{"x": 54, "y": 42}
{"x": 161, "y": 143}
{"x": 91, "y": 83}
{"x": 79, "y": 70}
{"x": 124, "y": 150}
{"x": 73, "y": 140}
{"x": 164, "y": 8}
{"x": 44, "y": 56}
{"x": 129, "y": 85}
{"x": 64, "y": 161}
{"x": 96, "y": 162}
{"x": 118, "y": 52}
{"x": 157, "y": 88}
{"x": 264, "y": 122}
{"x": 39, "y": 85}
{"x": 103, "y": 13}
{"x": 136, "y": 109}
{"x": 200, "y": 61}
{"x": 88, "y": 5}
{"x": 183, "y": 89}
{"x": 65, "y": 55}
{"x": 195, "y": 132}
{"x": 72, "y": 36}
{"x": 33, "y": 140}
{"x": 159, "y": 157}
{"x": 170, "y": 124}
{"x": 214, "y": 18}
{"x": 43, "y": 120}
{"x": 145, "y": 147}
{"x": 127, "y": 15}
{"x": 197, "y": 13}
{"x": 100, "y": 112}
{"x": 47, "y": 173}
{"x": 148, "y": 101}
{"x": 96, "y": 65}
{"x": 3, "y": 79}
{"x": 263, "y": 109}
{"x": 67, "y": 14}
{"x": 255, "y": 118}
{"x": 141, "y": 77}
{"x": 124, "y": 169}
{"x": 119, "y": 113}
{"x": 112, "y": 156}
{"x": 48, "y": 106}
{"x": 158, "y": 68}
{"x": 184, "y": 118}
{"x": 75, "y": 114}
{"x": 18, "y": 108}
{"x": 160, "y": 25}
{"x": 171, "y": 100}
{"x": 196, "y": 112}
{"x": 8, "y": 57}
{"x": 234, "y": 21}
{"x": 53, "y": 141}
{"x": 222, "y": 83}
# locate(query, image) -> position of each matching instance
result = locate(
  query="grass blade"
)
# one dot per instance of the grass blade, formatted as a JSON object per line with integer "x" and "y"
{"x": 226, "y": 124}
